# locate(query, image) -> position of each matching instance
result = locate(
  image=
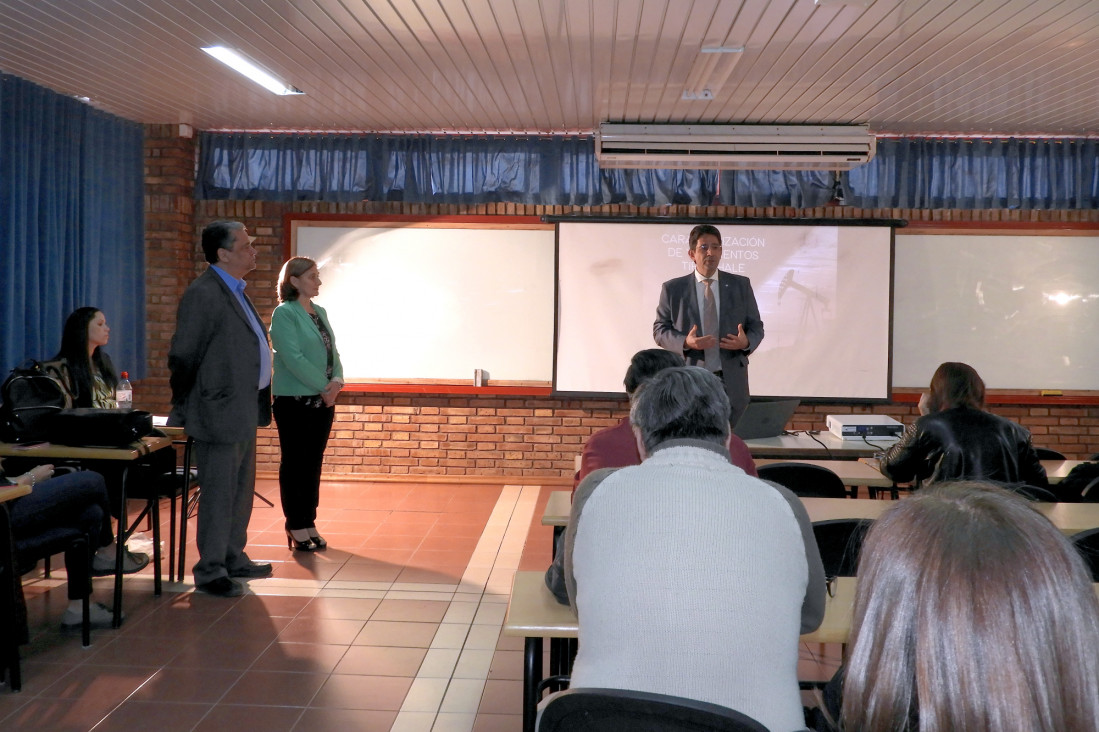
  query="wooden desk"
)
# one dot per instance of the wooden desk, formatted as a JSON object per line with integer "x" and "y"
{"x": 534, "y": 615}
{"x": 44, "y": 452}
{"x": 1070, "y": 518}
{"x": 821, "y": 446}
{"x": 851, "y": 472}
{"x": 11, "y": 492}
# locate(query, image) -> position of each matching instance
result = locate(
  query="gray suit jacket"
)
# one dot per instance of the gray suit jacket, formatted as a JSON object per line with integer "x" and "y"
{"x": 214, "y": 366}
{"x": 678, "y": 310}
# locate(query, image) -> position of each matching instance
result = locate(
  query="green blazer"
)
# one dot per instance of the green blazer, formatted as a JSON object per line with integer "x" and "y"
{"x": 300, "y": 356}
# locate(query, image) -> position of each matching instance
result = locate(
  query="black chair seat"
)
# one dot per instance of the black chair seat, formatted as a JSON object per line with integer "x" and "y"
{"x": 1045, "y": 453}
{"x": 620, "y": 710}
{"x": 804, "y": 479}
{"x": 840, "y": 542}
{"x": 1087, "y": 543}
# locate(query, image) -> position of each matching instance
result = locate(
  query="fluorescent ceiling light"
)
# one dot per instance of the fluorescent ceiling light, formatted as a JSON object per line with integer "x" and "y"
{"x": 241, "y": 65}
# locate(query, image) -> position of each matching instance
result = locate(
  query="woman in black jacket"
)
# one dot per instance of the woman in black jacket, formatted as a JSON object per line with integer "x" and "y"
{"x": 957, "y": 439}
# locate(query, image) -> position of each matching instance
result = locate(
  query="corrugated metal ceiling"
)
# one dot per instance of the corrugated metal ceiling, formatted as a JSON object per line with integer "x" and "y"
{"x": 903, "y": 66}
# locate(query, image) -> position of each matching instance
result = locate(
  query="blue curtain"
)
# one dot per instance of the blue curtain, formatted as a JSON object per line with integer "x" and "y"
{"x": 977, "y": 174}
{"x": 562, "y": 171}
{"x": 72, "y": 229}
{"x": 558, "y": 171}
{"x": 797, "y": 188}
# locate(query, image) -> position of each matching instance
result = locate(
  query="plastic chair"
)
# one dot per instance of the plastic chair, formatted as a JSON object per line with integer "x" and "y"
{"x": 620, "y": 710}
{"x": 1087, "y": 543}
{"x": 840, "y": 543}
{"x": 804, "y": 479}
{"x": 1045, "y": 453}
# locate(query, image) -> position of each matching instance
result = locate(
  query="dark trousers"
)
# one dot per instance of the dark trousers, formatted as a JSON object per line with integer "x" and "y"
{"x": 227, "y": 476}
{"x": 303, "y": 436}
{"x": 74, "y": 500}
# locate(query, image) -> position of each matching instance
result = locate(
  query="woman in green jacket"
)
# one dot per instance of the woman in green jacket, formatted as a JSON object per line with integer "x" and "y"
{"x": 307, "y": 378}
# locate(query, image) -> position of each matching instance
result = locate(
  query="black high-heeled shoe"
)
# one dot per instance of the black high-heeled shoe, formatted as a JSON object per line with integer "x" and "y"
{"x": 299, "y": 546}
{"x": 316, "y": 538}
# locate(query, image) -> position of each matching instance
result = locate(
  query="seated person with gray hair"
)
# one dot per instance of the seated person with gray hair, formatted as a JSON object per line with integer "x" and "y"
{"x": 689, "y": 577}
{"x": 617, "y": 447}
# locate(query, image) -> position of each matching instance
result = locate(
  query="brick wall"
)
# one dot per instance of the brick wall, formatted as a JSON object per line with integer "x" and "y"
{"x": 462, "y": 437}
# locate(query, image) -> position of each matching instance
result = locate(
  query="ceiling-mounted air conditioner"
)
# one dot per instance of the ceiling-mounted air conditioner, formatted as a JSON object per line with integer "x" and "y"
{"x": 752, "y": 147}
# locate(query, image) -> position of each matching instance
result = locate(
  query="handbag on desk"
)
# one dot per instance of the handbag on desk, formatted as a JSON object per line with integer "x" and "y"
{"x": 99, "y": 427}
{"x": 29, "y": 399}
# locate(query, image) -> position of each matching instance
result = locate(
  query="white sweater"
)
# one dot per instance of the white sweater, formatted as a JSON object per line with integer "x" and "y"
{"x": 690, "y": 579}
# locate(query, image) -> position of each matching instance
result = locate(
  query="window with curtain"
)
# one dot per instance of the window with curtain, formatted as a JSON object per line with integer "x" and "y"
{"x": 977, "y": 174}
{"x": 72, "y": 230}
{"x": 906, "y": 173}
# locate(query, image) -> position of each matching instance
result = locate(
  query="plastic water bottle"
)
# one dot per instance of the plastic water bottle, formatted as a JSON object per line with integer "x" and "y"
{"x": 124, "y": 393}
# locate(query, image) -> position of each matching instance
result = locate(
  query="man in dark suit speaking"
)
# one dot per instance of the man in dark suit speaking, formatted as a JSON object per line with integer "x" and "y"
{"x": 711, "y": 318}
{"x": 221, "y": 391}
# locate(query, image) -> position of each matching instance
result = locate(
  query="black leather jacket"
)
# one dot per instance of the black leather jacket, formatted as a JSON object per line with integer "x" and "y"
{"x": 964, "y": 444}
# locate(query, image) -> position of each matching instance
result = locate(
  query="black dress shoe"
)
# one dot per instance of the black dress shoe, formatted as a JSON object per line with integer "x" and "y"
{"x": 252, "y": 570}
{"x": 222, "y": 587}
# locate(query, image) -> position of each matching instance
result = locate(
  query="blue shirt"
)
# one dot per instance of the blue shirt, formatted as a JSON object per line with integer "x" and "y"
{"x": 237, "y": 288}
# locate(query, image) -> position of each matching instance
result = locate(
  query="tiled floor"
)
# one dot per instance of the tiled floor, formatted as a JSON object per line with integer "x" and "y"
{"x": 395, "y": 627}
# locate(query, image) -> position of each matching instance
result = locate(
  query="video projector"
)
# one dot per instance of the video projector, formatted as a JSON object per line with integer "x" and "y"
{"x": 858, "y": 426}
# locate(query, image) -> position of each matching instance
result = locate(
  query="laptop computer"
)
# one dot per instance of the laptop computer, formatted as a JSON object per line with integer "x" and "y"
{"x": 765, "y": 418}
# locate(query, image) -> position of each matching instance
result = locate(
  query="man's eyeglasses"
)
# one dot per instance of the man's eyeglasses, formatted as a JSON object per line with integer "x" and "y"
{"x": 708, "y": 248}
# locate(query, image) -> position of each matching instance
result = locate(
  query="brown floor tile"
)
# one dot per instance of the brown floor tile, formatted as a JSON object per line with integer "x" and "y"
{"x": 380, "y": 693}
{"x": 220, "y": 653}
{"x": 342, "y": 720}
{"x": 415, "y": 611}
{"x": 104, "y": 682}
{"x": 373, "y": 572}
{"x": 381, "y": 661}
{"x": 444, "y": 557}
{"x": 58, "y": 715}
{"x": 250, "y": 626}
{"x": 135, "y": 650}
{"x": 457, "y": 531}
{"x": 393, "y": 557}
{"x": 275, "y": 688}
{"x": 406, "y": 635}
{"x": 498, "y": 723}
{"x": 321, "y": 630}
{"x": 162, "y": 716}
{"x": 502, "y": 697}
{"x": 506, "y": 665}
{"x": 245, "y": 717}
{"x": 347, "y": 608}
{"x": 300, "y": 657}
{"x": 274, "y": 606}
{"x": 405, "y": 540}
{"x": 188, "y": 685}
{"x": 444, "y": 576}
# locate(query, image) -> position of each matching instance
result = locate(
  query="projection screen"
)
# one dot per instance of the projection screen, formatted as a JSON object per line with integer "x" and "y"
{"x": 824, "y": 294}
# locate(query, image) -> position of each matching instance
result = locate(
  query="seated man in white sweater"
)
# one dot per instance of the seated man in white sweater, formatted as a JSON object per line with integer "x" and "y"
{"x": 690, "y": 577}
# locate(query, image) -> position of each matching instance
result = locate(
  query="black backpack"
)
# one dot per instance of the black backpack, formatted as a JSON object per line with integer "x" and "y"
{"x": 1081, "y": 484}
{"x": 28, "y": 399}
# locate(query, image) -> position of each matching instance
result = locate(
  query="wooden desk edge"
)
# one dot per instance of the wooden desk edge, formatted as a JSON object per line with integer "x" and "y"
{"x": 11, "y": 492}
{"x": 533, "y": 612}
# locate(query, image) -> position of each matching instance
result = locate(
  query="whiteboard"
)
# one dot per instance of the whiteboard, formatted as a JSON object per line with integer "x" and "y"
{"x": 430, "y": 303}
{"x": 1022, "y": 310}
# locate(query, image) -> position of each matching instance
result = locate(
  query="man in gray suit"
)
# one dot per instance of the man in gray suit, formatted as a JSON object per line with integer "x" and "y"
{"x": 220, "y": 364}
{"x": 711, "y": 318}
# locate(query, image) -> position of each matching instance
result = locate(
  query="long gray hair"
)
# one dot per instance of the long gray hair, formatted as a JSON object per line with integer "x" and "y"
{"x": 973, "y": 612}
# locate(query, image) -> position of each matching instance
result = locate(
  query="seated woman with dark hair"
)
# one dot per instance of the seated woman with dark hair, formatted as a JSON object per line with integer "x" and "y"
{"x": 86, "y": 371}
{"x": 74, "y": 500}
{"x": 957, "y": 439}
{"x": 972, "y": 612}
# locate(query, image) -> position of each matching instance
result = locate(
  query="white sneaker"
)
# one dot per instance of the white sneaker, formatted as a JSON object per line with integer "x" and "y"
{"x": 131, "y": 562}
{"x": 100, "y": 617}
